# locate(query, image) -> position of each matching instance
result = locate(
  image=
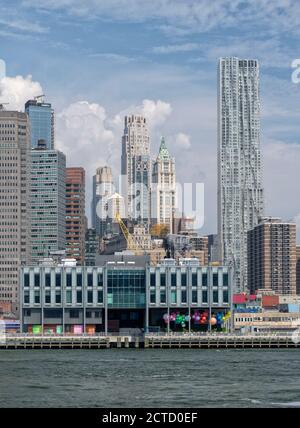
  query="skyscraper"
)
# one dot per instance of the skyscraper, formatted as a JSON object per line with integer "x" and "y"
{"x": 240, "y": 188}
{"x": 41, "y": 116}
{"x": 14, "y": 202}
{"x": 163, "y": 189}
{"x": 272, "y": 256}
{"x": 48, "y": 201}
{"x": 91, "y": 247}
{"x": 103, "y": 188}
{"x": 136, "y": 168}
{"x": 75, "y": 214}
{"x": 298, "y": 269}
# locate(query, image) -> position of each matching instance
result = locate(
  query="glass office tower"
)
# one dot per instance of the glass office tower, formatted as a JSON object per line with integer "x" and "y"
{"x": 41, "y": 118}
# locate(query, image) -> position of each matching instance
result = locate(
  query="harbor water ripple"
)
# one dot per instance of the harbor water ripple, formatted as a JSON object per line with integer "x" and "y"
{"x": 150, "y": 378}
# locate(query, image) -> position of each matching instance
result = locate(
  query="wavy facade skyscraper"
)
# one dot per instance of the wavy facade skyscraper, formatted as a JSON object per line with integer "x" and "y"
{"x": 240, "y": 183}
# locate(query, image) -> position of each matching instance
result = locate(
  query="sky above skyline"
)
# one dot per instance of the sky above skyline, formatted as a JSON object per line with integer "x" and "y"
{"x": 97, "y": 60}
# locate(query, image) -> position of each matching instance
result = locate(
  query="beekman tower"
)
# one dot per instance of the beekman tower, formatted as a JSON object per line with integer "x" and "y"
{"x": 240, "y": 188}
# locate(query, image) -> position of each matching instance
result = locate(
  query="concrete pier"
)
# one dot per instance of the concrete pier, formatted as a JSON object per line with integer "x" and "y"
{"x": 155, "y": 341}
{"x": 222, "y": 341}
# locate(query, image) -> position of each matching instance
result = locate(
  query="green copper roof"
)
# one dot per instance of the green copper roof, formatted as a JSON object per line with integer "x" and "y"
{"x": 163, "y": 151}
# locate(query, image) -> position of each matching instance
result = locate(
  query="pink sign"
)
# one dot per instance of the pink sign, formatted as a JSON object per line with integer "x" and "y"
{"x": 78, "y": 329}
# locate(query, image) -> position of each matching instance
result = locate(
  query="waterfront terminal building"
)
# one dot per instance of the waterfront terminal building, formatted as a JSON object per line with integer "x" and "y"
{"x": 123, "y": 293}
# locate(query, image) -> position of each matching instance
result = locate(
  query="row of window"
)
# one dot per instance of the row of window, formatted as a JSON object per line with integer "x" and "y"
{"x": 153, "y": 280}
{"x": 184, "y": 297}
{"x": 58, "y": 280}
{"x": 56, "y": 298}
{"x": 184, "y": 279}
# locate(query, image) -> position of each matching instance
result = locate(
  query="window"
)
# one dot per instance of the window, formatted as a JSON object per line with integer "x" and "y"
{"x": 183, "y": 280}
{"x": 90, "y": 280}
{"x": 215, "y": 296}
{"x": 152, "y": 280}
{"x": 26, "y": 279}
{"x": 174, "y": 297}
{"x": 53, "y": 313}
{"x": 126, "y": 288}
{"x": 74, "y": 313}
{"x": 194, "y": 296}
{"x": 204, "y": 280}
{"x": 58, "y": 297}
{"x": 162, "y": 279}
{"x": 90, "y": 296}
{"x": 48, "y": 280}
{"x": 36, "y": 279}
{"x": 79, "y": 280}
{"x": 152, "y": 296}
{"x": 69, "y": 280}
{"x": 194, "y": 280}
{"x": 79, "y": 296}
{"x": 88, "y": 314}
{"x": 225, "y": 296}
{"x": 47, "y": 296}
{"x": 57, "y": 280}
{"x": 225, "y": 280}
{"x": 100, "y": 296}
{"x": 215, "y": 280}
{"x": 100, "y": 280}
{"x": 69, "y": 297}
{"x": 173, "y": 280}
{"x": 163, "y": 297}
{"x": 204, "y": 296}
{"x": 183, "y": 296}
{"x": 37, "y": 297}
{"x": 26, "y": 296}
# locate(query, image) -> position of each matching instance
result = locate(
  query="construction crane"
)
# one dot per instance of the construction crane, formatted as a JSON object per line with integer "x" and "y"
{"x": 132, "y": 243}
{"x": 126, "y": 233}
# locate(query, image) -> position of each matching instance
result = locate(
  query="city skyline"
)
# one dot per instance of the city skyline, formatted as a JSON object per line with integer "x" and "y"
{"x": 149, "y": 206}
{"x": 119, "y": 77}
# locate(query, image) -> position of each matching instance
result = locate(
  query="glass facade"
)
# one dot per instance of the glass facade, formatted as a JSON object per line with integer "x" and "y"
{"x": 47, "y": 198}
{"x": 126, "y": 288}
{"x": 41, "y": 121}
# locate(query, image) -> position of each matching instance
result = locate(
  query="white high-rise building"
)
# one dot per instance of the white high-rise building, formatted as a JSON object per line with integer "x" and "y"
{"x": 15, "y": 161}
{"x": 163, "y": 190}
{"x": 103, "y": 188}
{"x": 136, "y": 169}
{"x": 240, "y": 187}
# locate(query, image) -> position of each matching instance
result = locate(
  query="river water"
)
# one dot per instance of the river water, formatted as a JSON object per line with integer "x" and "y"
{"x": 150, "y": 378}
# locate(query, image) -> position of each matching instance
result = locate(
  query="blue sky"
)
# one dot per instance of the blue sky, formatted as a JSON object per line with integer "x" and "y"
{"x": 99, "y": 59}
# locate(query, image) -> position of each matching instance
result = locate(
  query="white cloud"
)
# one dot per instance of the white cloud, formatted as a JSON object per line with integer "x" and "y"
{"x": 17, "y": 90}
{"x": 82, "y": 133}
{"x": 194, "y": 15}
{"x": 21, "y": 25}
{"x": 180, "y": 142}
{"x": 112, "y": 57}
{"x": 156, "y": 112}
{"x": 169, "y": 49}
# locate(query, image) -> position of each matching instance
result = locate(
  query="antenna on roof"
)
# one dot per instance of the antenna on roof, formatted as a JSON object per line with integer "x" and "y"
{"x": 40, "y": 97}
